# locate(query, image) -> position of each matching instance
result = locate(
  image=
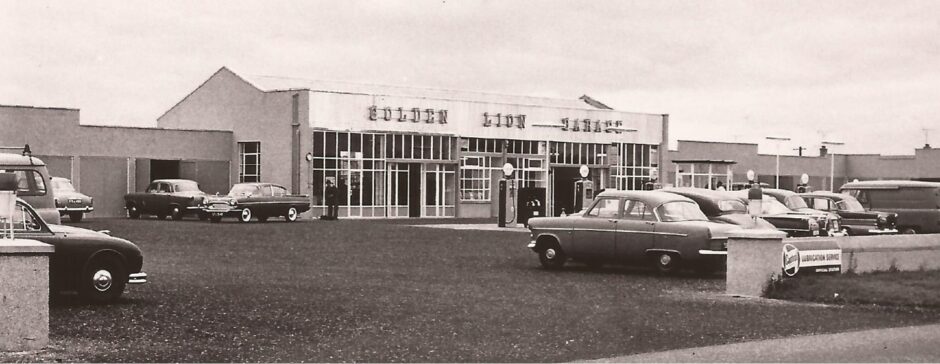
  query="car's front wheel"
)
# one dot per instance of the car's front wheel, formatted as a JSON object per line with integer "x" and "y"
{"x": 291, "y": 214}
{"x": 132, "y": 212}
{"x": 552, "y": 257}
{"x": 245, "y": 216}
{"x": 103, "y": 280}
{"x": 908, "y": 230}
{"x": 176, "y": 213}
{"x": 76, "y": 216}
{"x": 665, "y": 262}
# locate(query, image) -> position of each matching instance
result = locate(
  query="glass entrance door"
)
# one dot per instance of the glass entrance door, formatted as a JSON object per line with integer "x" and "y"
{"x": 398, "y": 190}
{"x": 439, "y": 194}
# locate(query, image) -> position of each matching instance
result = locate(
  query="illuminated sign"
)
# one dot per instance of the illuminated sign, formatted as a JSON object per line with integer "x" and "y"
{"x": 504, "y": 120}
{"x": 414, "y": 115}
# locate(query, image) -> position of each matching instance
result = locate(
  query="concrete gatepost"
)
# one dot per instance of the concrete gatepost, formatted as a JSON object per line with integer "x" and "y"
{"x": 755, "y": 259}
{"x": 24, "y": 294}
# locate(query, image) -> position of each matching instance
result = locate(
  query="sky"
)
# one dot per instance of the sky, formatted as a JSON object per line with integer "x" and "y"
{"x": 863, "y": 73}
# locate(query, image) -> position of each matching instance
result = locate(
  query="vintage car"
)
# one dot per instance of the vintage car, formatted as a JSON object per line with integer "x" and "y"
{"x": 830, "y": 224}
{"x": 166, "y": 197}
{"x": 855, "y": 220}
{"x": 95, "y": 264}
{"x": 69, "y": 201}
{"x": 32, "y": 178}
{"x": 917, "y": 203}
{"x": 795, "y": 224}
{"x": 633, "y": 228}
{"x": 721, "y": 206}
{"x": 259, "y": 200}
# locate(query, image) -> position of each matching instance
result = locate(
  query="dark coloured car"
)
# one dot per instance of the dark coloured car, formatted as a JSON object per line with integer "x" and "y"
{"x": 855, "y": 220}
{"x": 69, "y": 201}
{"x": 633, "y": 228}
{"x": 916, "y": 203}
{"x": 259, "y": 200}
{"x": 795, "y": 224}
{"x": 95, "y": 264}
{"x": 166, "y": 197}
{"x": 830, "y": 224}
{"x": 721, "y": 206}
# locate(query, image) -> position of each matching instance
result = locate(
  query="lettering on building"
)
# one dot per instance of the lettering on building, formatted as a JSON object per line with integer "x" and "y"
{"x": 412, "y": 115}
{"x": 591, "y": 126}
{"x": 504, "y": 120}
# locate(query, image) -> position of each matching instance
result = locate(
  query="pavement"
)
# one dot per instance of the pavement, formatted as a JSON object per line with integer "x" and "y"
{"x": 487, "y": 227}
{"x": 902, "y": 344}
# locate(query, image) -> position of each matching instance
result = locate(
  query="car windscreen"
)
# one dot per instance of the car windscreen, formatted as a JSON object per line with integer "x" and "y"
{"x": 242, "y": 190}
{"x": 850, "y": 204}
{"x": 795, "y": 202}
{"x": 732, "y": 206}
{"x": 771, "y": 206}
{"x": 28, "y": 182}
{"x": 680, "y": 211}
{"x": 187, "y": 187}
{"x": 62, "y": 185}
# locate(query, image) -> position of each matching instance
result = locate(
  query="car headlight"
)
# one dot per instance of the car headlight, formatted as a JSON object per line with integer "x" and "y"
{"x": 231, "y": 202}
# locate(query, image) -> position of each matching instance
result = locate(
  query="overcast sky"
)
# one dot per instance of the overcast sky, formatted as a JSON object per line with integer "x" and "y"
{"x": 863, "y": 73}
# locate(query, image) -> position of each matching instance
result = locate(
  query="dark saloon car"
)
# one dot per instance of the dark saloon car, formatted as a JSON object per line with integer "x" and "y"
{"x": 69, "y": 201}
{"x": 166, "y": 197}
{"x": 259, "y": 200}
{"x": 721, "y": 206}
{"x": 855, "y": 220}
{"x": 633, "y": 228}
{"x": 795, "y": 224}
{"x": 95, "y": 264}
{"x": 830, "y": 224}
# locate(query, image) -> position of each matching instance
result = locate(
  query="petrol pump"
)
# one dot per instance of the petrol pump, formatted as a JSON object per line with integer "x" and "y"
{"x": 506, "y": 216}
{"x": 755, "y": 196}
{"x": 583, "y": 190}
{"x": 804, "y": 184}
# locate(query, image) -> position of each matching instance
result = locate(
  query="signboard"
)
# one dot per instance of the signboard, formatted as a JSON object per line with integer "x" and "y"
{"x": 811, "y": 256}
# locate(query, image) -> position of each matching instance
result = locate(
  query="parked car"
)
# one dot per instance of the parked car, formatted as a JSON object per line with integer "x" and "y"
{"x": 830, "y": 224}
{"x": 95, "y": 264}
{"x": 32, "y": 183}
{"x": 633, "y": 228}
{"x": 258, "y": 200}
{"x": 916, "y": 203}
{"x": 795, "y": 224}
{"x": 166, "y": 197}
{"x": 69, "y": 201}
{"x": 855, "y": 220}
{"x": 721, "y": 206}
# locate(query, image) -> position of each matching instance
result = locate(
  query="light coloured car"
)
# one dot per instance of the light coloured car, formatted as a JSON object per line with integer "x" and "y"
{"x": 69, "y": 201}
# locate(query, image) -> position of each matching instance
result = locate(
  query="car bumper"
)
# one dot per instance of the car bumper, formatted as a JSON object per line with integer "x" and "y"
{"x": 883, "y": 231}
{"x": 137, "y": 278}
{"x": 712, "y": 252}
{"x": 531, "y": 244}
{"x": 75, "y": 209}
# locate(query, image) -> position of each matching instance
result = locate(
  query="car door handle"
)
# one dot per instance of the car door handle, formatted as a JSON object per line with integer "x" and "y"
{"x": 612, "y": 220}
{"x": 650, "y": 223}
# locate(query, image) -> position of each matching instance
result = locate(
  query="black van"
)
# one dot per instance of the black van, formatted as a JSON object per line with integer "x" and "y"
{"x": 916, "y": 203}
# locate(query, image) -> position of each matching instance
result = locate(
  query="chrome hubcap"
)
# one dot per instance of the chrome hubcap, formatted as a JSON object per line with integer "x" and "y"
{"x": 102, "y": 280}
{"x": 665, "y": 259}
{"x": 292, "y": 213}
{"x": 246, "y": 215}
{"x": 550, "y": 253}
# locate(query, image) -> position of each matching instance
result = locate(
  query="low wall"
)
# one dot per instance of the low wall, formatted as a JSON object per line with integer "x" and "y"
{"x": 864, "y": 254}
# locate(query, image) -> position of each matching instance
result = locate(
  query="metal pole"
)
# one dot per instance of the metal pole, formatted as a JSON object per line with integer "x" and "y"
{"x": 777, "y": 181}
{"x": 832, "y": 173}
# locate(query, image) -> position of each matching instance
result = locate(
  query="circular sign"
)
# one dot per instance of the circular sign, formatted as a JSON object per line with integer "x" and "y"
{"x": 654, "y": 173}
{"x": 804, "y": 179}
{"x": 584, "y": 171}
{"x": 791, "y": 260}
{"x": 750, "y": 175}
{"x": 508, "y": 169}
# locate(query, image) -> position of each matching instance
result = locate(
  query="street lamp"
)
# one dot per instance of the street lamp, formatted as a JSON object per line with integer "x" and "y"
{"x": 832, "y": 164}
{"x": 778, "y": 140}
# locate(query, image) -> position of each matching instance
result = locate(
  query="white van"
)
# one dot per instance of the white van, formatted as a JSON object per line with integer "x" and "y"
{"x": 32, "y": 184}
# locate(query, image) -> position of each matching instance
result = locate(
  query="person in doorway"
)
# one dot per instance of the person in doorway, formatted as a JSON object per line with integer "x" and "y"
{"x": 720, "y": 186}
{"x": 331, "y": 202}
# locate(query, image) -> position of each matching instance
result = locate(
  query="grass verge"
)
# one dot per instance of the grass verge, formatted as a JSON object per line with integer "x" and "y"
{"x": 902, "y": 289}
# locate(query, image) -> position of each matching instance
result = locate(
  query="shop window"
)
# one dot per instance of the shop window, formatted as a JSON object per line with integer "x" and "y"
{"x": 249, "y": 156}
{"x": 475, "y": 176}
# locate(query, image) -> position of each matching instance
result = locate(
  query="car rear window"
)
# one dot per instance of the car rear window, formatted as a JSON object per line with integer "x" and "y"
{"x": 28, "y": 182}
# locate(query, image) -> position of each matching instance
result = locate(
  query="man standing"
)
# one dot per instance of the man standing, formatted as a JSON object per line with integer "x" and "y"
{"x": 331, "y": 207}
